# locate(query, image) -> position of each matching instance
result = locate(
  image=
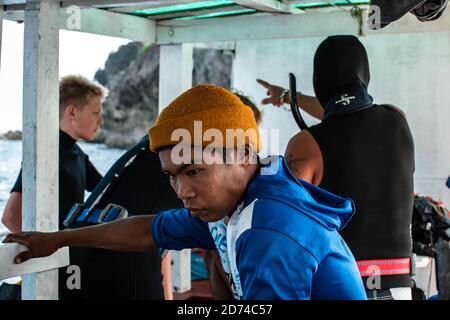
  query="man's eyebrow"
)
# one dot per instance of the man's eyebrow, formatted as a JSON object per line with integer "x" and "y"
{"x": 178, "y": 170}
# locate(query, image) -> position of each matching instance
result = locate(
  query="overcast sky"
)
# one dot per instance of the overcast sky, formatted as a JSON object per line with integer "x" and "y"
{"x": 80, "y": 53}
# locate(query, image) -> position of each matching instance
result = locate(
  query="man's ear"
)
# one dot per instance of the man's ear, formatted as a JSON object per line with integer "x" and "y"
{"x": 70, "y": 111}
{"x": 246, "y": 154}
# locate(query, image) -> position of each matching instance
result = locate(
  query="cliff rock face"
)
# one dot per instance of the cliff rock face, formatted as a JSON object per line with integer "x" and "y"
{"x": 131, "y": 75}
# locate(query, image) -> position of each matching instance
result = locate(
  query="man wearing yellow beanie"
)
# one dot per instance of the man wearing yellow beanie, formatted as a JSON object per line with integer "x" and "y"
{"x": 277, "y": 236}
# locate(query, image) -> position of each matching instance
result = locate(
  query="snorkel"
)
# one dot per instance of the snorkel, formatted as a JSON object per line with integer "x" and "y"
{"x": 294, "y": 106}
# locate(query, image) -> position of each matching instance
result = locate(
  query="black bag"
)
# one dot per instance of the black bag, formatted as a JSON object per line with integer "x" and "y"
{"x": 430, "y": 221}
{"x": 443, "y": 268}
{"x": 424, "y": 10}
{"x": 431, "y": 236}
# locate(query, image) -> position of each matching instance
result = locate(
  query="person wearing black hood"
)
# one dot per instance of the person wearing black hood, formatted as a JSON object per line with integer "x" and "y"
{"x": 363, "y": 151}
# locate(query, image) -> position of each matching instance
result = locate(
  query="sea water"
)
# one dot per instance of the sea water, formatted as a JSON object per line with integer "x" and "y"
{"x": 11, "y": 157}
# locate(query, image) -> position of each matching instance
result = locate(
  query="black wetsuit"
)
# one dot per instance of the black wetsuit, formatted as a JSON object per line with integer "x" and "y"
{"x": 76, "y": 174}
{"x": 368, "y": 155}
{"x": 141, "y": 188}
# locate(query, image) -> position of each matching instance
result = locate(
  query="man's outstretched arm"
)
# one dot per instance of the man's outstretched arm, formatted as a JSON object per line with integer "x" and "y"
{"x": 131, "y": 234}
{"x": 12, "y": 215}
{"x": 309, "y": 104}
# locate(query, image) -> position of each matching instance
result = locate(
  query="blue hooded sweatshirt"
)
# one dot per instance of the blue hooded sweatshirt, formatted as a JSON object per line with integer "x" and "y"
{"x": 282, "y": 242}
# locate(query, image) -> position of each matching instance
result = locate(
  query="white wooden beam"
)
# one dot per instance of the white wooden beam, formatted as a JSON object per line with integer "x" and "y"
{"x": 318, "y": 24}
{"x": 102, "y": 22}
{"x": 40, "y": 134}
{"x": 1, "y": 34}
{"x": 290, "y": 26}
{"x": 269, "y": 6}
{"x": 9, "y": 269}
{"x": 175, "y": 76}
{"x": 107, "y": 23}
{"x": 225, "y": 45}
{"x": 256, "y": 28}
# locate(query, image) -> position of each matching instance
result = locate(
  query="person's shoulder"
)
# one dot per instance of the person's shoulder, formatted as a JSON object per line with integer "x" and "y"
{"x": 70, "y": 148}
{"x": 265, "y": 213}
{"x": 393, "y": 108}
{"x": 277, "y": 220}
{"x": 281, "y": 216}
{"x": 304, "y": 137}
{"x": 78, "y": 148}
{"x": 80, "y": 153}
{"x": 302, "y": 146}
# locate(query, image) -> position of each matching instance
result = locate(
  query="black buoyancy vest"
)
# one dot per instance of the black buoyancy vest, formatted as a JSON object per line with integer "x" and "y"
{"x": 368, "y": 156}
{"x": 142, "y": 188}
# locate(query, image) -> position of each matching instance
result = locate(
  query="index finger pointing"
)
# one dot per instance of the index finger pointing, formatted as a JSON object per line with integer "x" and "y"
{"x": 265, "y": 84}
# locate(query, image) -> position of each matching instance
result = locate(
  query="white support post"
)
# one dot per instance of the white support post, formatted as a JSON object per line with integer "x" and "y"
{"x": 1, "y": 33}
{"x": 181, "y": 270}
{"x": 175, "y": 77}
{"x": 175, "y": 72}
{"x": 40, "y": 134}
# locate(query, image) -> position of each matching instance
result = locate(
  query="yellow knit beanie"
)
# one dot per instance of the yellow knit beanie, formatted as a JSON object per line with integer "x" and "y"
{"x": 206, "y": 107}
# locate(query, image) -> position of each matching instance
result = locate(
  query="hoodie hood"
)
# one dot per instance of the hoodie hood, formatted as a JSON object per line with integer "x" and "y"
{"x": 342, "y": 75}
{"x": 276, "y": 182}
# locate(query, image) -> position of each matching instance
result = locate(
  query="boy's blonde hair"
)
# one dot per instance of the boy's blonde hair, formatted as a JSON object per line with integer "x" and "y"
{"x": 77, "y": 90}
